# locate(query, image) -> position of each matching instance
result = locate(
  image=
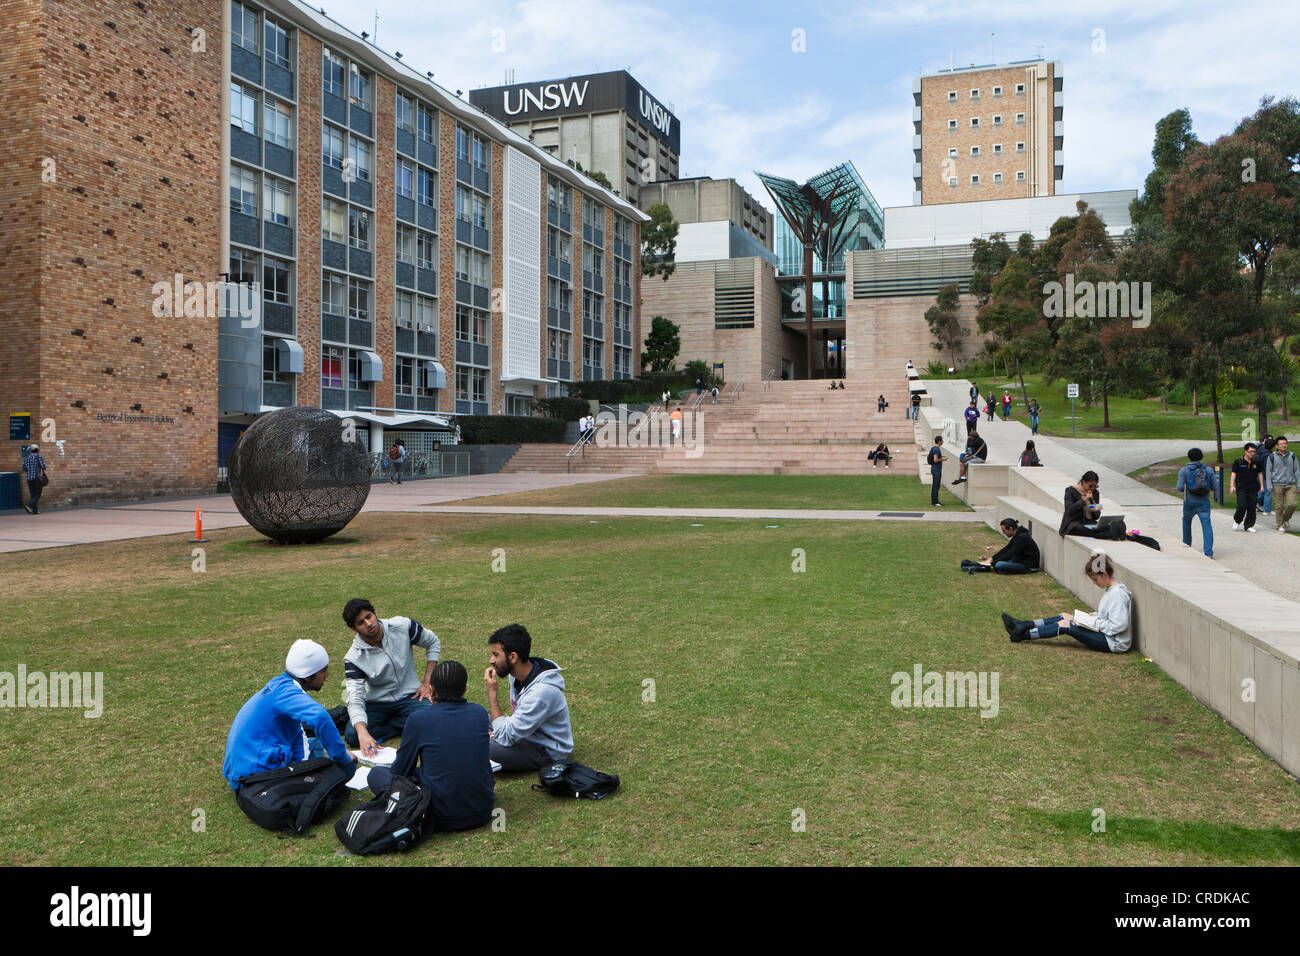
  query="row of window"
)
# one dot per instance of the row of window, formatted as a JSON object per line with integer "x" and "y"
{"x": 997, "y": 121}
{"x": 345, "y": 151}
{"x": 975, "y": 150}
{"x": 414, "y": 117}
{"x": 244, "y": 33}
{"x": 345, "y": 79}
{"x": 417, "y": 182}
{"x": 277, "y": 195}
{"x": 277, "y": 274}
{"x": 975, "y": 93}
{"x": 275, "y": 118}
{"x": 473, "y": 266}
{"x": 997, "y": 179}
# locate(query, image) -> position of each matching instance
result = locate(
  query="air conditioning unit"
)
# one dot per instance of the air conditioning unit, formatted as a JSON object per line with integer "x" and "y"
{"x": 426, "y": 328}
{"x": 354, "y": 100}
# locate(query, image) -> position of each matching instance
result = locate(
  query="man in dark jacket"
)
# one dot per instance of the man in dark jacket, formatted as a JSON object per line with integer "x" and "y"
{"x": 977, "y": 450}
{"x": 450, "y": 742}
{"x": 1019, "y": 556}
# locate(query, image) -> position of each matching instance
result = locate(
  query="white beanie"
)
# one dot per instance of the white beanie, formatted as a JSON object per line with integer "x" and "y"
{"x": 306, "y": 658}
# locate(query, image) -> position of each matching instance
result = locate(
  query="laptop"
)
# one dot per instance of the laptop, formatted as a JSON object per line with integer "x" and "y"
{"x": 1105, "y": 522}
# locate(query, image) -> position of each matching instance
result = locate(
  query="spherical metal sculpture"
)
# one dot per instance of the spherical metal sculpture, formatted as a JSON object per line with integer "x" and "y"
{"x": 299, "y": 475}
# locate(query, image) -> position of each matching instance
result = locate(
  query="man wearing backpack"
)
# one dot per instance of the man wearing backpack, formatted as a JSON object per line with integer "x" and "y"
{"x": 1281, "y": 475}
{"x": 268, "y": 732}
{"x": 1198, "y": 483}
{"x": 450, "y": 742}
{"x": 537, "y": 732}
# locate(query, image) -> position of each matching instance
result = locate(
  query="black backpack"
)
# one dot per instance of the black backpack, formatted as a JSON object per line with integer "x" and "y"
{"x": 1200, "y": 483}
{"x": 393, "y": 822}
{"x": 570, "y": 779}
{"x": 292, "y": 798}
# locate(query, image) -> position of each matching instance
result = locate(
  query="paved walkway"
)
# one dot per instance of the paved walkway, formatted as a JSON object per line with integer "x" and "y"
{"x": 60, "y": 527}
{"x": 1267, "y": 559}
{"x": 1129, "y": 454}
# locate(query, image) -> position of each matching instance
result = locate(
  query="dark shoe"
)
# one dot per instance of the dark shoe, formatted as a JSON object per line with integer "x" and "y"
{"x": 28, "y": 509}
{"x": 1017, "y": 629}
{"x": 339, "y": 715}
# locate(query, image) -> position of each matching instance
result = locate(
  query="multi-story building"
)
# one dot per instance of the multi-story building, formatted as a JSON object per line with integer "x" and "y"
{"x": 604, "y": 122}
{"x": 400, "y": 241}
{"x": 717, "y": 218}
{"x": 987, "y": 132}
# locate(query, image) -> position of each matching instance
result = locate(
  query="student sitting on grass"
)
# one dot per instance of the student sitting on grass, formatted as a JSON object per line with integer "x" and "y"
{"x": 379, "y": 674}
{"x": 269, "y": 731}
{"x": 536, "y": 732}
{"x": 1019, "y": 556}
{"x": 1109, "y": 630}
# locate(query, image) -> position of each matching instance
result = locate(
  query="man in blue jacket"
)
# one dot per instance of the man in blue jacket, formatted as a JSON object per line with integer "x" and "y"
{"x": 268, "y": 730}
{"x": 537, "y": 732}
{"x": 450, "y": 741}
{"x": 1200, "y": 485}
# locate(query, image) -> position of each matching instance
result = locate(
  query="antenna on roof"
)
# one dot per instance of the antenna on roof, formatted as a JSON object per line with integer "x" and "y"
{"x": 376, "y": 40}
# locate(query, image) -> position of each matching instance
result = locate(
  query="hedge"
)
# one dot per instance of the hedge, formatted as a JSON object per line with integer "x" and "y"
{"x": 509, "y": 429}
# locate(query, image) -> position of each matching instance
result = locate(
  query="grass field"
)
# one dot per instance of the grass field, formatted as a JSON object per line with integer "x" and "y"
{"x": 772, "y": 700}
{"x": 882, "y": 492}
{"x": 1129, "y": 417}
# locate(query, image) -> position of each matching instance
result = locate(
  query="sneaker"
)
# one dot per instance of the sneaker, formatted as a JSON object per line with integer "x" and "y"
{"x": 936, "y": 504}
{"x": 1282, "y": 530}
{"x": 28, "y": 509}
{"x": 1235, "y": 526}
{"x": 1252, "y": 529}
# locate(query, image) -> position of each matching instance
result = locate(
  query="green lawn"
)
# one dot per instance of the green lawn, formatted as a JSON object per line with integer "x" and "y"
{"x": 772, "y": 700}
{"x": 827, "y": 492}
{"x": 1129, "y": 417}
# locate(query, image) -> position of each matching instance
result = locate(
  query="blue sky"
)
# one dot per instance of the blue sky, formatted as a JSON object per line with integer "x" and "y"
{"x": 747, "y": 100}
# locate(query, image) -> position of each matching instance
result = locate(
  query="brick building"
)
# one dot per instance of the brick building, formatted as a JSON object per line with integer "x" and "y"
{"x": 429, "y": 263}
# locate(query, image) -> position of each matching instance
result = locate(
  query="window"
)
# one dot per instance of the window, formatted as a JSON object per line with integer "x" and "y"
{"x": 359, "y": 228}
{"x": 997, "y": 149}
{"x": 462, "y": 204}
{"x": 275, "y": 280}
{"x": 482, "y": 152}
{"x": 332, "y": 146}
{"x": 462, "y": 383}
{"x": 406, "y": 244}
{"x": 1020, "y": 176}
{"x": 333, "y": 294}
{"x": 331, "y": 366}
{"x": 277, "y": 202}
{"x": 427, "y": 187}
{"x": 426, "y": 250}
{"x": 359, "y": 153}
{"x": 1020, "y": 119}
{"x": 359, "y": 88}
{"x": 559, "y": 345}
{"x": 974, "y": 150}
{"x": 277, "y": 45}
{"x": 974, "y": 180}
{"x": 243, "y": 108}
{"x": 952, "y": 182}
{"x": 405, "y": 310}
{"x": 952, "y": 125}
{"x": 243, "y": 265}
{"x": 952, "y": 152}
{"x": 519, "y": 405}
{"x": 333, "y": 220}
{"x": 426, "y": 312}
{"x": 997, "y": 179}
{"x": 405, "y": 376}
{"x": 462, "y": 144}
{"x": 358, "y": 299}
{"x": 1020, "y": 89}
{"x": 974, "y": 94}
{"x": 243, "y": 27}
{"x": 558, "y": 244}
{"x": 427, "y": 124}
{"x": 278, "y": 120}
{"x": 272, "y": 370}
{"x": 243, "y": 190}
{"x": 333, "y": 70}
{"x": 997, "y": 120}
{"x": 405, "y": 113}
{"x": 479, "y": 210}
{"x": 974, "y": 122}
{"x": 405, "y": 179}
{"x": 1020, "y": 147}
{"x": 952, "y": 96}
{"x": 997, "y": 91}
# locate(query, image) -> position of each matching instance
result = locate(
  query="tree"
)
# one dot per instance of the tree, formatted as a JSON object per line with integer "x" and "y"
{"x": 1174, "y": 138}
{"x": 661, "y": 346}
{"x": 659, "y": 242}
{"x": 1013, "y": 315}
{"x": 945, "y": 326}
{"x": 595, "y": 175}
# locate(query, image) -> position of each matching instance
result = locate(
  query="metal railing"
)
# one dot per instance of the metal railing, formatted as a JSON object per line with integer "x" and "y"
{"x": 580, "y": 446}
{"x": 443, "y": 464}
{"x": 767, "y": 378}
{"x": 734, "y": 394}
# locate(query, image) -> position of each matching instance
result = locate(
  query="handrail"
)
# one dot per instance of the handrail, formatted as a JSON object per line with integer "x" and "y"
{"x": 583, "y": 439}
{"x": 699, "y": 400}
{"x": 768, "y": 376}
{"x": 736, "y": 389}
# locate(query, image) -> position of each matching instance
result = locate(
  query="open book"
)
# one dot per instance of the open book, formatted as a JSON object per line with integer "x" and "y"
{"x": 1084, "y": 619}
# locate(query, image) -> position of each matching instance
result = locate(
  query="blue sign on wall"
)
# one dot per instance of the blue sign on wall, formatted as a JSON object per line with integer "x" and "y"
{"x": 20, "y": 426}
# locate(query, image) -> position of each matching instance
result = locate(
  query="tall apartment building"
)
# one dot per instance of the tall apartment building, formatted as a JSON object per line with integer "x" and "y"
{"x": 987, "y": 132}
{"x": 413, "y": 258}
{"x": 606, "y": 122}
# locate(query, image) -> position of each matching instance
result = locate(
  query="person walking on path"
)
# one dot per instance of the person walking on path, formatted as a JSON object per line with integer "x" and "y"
{"x": 1244, "y": 483}
{"x": 972, "y": 415}
{"x": 699, "y": 385}
{"x": 399, "y": 461}
{"x": 1281, "y": 475}
{"x": 1198, "y": 485}
{"x": 34, "y": 470}
{"x": 1261, "y": 455}
{"x": 974, "y": 393}
{"x": 935, "y": 460}
{"x": 991, "y": 406}
{"x": 676, "y": 418}
{"x": 1034, "y": 411}
{"x": 1006, "y": 406}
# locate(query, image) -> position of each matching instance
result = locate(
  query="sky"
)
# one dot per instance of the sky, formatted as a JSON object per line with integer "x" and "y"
{"x": 795, "y": 88}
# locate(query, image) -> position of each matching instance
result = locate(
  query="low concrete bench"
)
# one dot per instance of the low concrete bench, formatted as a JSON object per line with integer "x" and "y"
{"x": 1221, "y": 637}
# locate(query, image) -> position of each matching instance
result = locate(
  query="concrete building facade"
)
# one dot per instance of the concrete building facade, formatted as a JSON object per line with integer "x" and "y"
{"x": 987, "y": 132}
{"x": 717, "y": 218}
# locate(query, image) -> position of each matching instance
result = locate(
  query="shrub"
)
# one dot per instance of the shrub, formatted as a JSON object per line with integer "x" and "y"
{"x": 936, "y": 369}
{"x": 509, "y": 429}
{"x": 565, "y": 409}
{"x": 1237, "y": 398}
{"x": 1179, "y": 394}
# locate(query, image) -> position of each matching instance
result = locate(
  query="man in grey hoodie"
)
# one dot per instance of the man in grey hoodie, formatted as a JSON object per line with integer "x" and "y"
{"x": 382, "y": 689}
{"x": 537, "y": 732}
{"x": 1281, "y": 476}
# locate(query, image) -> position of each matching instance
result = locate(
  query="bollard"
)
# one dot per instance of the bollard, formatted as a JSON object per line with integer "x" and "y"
{"x": 198, "y": 527}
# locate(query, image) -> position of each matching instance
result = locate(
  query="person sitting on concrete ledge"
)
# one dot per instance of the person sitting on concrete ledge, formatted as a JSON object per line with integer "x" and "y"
{"x": 977, "y": 450}
{"x": 1029, "y": 457}
{"x": 1109, "y": 630}
{"x": 880, "y": 454}
{"x": 1083, "y": 508}
{"x": 1019, "y": 556}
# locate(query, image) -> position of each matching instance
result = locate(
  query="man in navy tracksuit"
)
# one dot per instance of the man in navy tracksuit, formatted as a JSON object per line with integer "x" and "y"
{"x": 450, "y": 741}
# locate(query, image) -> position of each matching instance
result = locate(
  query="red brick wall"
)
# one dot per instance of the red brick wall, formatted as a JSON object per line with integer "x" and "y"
{"x": 309, "y": 208}
{"x": 383, "y": 238}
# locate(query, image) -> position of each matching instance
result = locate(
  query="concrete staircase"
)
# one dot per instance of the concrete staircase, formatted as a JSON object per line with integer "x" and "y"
{"x": 791, "y": 428}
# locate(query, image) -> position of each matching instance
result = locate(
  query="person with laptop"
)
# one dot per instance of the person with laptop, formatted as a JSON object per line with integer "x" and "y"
{"x": 1083, "y": 509}
{"x": 1110, "y": 630}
